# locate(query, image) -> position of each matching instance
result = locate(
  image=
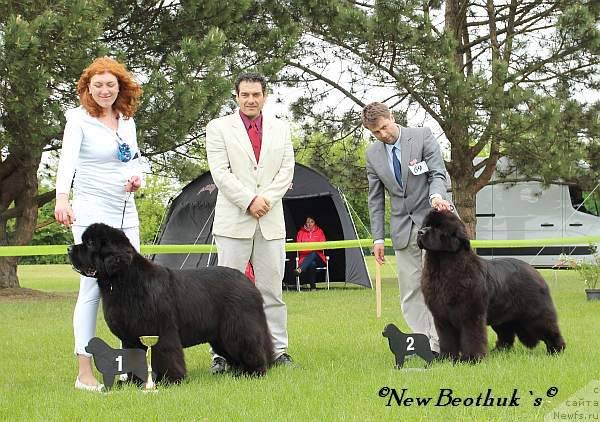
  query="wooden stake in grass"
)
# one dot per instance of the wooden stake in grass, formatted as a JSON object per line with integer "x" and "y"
{"x": 378, "y": 288}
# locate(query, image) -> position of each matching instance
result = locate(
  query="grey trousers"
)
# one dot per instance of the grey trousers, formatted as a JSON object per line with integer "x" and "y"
{"x": 268, "y": 261}
{"x": 416, "y": 314}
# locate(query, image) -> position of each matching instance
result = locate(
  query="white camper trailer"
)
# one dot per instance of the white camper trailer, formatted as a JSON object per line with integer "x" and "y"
{"x": 528, "y": 210}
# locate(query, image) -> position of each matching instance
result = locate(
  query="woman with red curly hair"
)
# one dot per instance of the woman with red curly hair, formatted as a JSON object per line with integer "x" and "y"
{"x": 100, "y": 157}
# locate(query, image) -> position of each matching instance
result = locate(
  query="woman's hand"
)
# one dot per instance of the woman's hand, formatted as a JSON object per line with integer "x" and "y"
{"x": 63, "y": 211}
{"x": 133, "y": 184}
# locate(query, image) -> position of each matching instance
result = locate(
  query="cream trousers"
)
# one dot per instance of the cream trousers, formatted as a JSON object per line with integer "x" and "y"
{"x": 268, "y": 261}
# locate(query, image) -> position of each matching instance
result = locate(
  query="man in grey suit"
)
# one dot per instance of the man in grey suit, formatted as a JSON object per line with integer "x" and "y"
{"x": 407, "y": 163}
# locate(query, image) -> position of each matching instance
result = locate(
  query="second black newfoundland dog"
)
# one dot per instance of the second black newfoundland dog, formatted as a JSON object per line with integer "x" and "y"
{"x": 465, "y": 293}
{"x": 215, "y": 305}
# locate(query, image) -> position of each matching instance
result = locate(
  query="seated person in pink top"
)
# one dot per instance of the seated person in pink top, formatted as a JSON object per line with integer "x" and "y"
{"x": 309, "y": 260}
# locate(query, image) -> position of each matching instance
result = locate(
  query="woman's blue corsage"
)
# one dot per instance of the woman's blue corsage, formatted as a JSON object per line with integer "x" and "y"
{"x": 124, "y": 152}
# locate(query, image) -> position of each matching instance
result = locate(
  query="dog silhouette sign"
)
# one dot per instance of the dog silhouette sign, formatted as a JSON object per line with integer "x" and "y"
{"x": 403, "y": 345}
{"x": 111, "y": 362}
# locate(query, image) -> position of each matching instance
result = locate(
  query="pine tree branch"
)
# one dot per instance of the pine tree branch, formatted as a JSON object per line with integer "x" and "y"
{"x": 328, "y": 81}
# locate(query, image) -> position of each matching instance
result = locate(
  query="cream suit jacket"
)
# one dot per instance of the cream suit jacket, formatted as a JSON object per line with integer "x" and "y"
{"x": 240, "y": 178}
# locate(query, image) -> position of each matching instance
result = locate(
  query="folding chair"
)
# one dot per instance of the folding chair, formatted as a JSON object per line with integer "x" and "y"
{"x": 325, "y": 268}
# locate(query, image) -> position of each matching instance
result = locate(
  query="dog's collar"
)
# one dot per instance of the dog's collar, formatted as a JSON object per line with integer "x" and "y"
{"x": 87, "y": 273}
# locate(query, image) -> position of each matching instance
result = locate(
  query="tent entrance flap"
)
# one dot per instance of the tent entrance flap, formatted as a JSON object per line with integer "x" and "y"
{"x": 322, "y": 209}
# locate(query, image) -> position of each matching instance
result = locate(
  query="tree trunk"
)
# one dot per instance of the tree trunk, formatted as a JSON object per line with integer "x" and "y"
{"x": 18, "y": 187}
{"x": 464, "y": 201}
{"x": 461, "y": 169}
{"x": 465, "y": 185}
{"x": 464, "y": 190}
{"x": 8, "y": 272}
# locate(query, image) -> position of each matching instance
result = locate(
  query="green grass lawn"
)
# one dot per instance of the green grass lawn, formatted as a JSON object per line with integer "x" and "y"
{"x": 335, "y": 337}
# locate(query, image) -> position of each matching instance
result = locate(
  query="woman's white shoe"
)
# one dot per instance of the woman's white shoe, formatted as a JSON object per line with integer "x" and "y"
{"x": 98, "y": 388}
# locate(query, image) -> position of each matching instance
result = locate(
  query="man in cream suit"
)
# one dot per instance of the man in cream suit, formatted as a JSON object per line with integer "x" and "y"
{"x": 407, "y": 163}
{"x": 251, "y": 160}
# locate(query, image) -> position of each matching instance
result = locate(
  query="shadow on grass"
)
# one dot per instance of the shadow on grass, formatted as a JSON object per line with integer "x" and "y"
{"x": 22, "y": 293}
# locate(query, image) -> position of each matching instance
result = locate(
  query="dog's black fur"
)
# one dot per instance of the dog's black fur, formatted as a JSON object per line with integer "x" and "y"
{"x": 401, "y": 347}
{"x": 216, "y": 305}
{"x": 465, "y": 292}
{"x": 131, "y": 361}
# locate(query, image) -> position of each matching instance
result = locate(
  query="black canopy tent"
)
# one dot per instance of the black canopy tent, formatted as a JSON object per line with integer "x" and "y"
{"x": 190, "y": 216}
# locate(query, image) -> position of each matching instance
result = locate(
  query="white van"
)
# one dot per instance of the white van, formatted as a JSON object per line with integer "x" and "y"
{"x": 527, "y": 210}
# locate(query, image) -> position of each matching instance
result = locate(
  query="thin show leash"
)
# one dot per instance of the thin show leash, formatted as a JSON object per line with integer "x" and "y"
{"x": 124, "y": 155}
{"x": 124, "y": 207}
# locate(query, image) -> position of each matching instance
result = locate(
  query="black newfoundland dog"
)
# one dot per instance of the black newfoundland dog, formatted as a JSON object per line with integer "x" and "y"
{"x": 215, "y": 305}
{"x": 465, "y": 293}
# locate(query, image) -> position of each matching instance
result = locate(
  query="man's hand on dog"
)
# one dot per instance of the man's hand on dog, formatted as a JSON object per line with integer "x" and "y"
{"x": 259, "y": 207}
{"x": 441, "y": 204}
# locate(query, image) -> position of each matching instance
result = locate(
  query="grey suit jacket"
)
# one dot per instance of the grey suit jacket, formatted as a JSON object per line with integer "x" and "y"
{"x": 409, "y": 204}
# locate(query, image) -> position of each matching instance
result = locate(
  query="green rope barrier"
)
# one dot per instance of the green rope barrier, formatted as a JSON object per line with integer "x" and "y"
{"x": 308, "y": 246}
